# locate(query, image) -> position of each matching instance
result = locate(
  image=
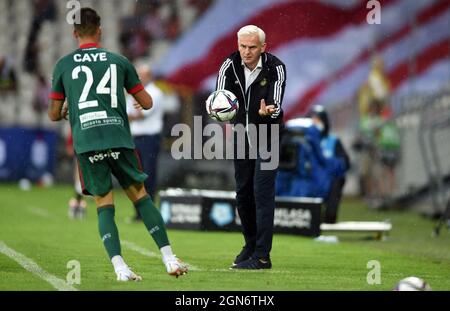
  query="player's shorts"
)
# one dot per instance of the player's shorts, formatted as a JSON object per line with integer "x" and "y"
{"x": 96, "y": 167}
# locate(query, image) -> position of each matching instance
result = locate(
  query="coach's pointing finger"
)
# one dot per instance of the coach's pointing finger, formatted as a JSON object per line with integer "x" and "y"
{"x": 265, "y": 110}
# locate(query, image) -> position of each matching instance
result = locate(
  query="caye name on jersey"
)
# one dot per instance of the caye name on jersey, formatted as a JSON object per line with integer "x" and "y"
{"x": 90, "y": 57}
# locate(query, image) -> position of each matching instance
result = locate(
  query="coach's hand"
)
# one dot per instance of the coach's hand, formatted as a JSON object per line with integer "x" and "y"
{"x": 266, "y": 110}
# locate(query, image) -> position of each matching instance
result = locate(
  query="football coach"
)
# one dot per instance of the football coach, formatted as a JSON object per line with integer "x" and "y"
{"x": 258, "y": 80}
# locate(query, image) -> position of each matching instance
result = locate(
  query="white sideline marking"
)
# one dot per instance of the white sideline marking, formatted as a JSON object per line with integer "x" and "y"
{"x": 147, "y": 253}
{"x": 138, "y": 249}
{"x": 33, "y": 267}
{"x": 40, "y": 212}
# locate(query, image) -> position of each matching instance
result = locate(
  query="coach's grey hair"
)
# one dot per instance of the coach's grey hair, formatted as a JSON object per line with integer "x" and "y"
{"x": 250, "y": 30}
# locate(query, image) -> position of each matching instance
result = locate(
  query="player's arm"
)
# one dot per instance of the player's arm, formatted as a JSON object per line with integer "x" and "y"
{"x": 134, "y": 86}
{"x": 144, "y": 99}
{"x": 57, "y": 110}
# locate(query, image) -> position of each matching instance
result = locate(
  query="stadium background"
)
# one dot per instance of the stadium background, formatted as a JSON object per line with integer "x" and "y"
{"x": 327, "y": 46}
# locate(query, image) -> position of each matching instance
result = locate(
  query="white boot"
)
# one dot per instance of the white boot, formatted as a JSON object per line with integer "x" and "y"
{"x": 125, "y": 274}
{"x": 122, "y": 270}
{"x": 175, "y": 266}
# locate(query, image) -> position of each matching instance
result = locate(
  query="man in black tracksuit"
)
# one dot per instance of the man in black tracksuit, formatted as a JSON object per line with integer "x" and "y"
{"x": 258, "y": 80}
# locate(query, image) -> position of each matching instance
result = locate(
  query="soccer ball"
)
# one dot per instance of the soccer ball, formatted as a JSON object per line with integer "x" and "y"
{"x": 222, "y": 105}
{"x": 412, "y": 283}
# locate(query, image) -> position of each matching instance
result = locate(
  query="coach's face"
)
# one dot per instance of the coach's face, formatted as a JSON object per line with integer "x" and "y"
{"x": 250, "y": 49}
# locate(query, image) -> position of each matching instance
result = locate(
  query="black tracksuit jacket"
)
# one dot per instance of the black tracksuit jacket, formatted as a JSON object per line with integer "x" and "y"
{"x": 269, "y": 84}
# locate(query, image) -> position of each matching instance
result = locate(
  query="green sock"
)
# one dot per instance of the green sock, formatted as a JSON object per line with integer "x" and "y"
{"x": 108, "y": 230}
{"x": 152, "y": 220}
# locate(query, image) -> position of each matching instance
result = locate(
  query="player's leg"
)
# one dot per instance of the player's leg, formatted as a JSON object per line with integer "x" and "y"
{"x": 130, "y": 176}
{"x": 95, "y": 177}
{"x": 110, "y": 236}
{"x": 142, "y": 149}
{"x": 149, "y": 213}
{"x": 73, "y": 202}
{"x": 155, "y": 225}
{"x": 77, "y": 205}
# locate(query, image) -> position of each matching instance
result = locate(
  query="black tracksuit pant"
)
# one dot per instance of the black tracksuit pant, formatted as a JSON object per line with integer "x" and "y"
{"x": 255, "y": 195}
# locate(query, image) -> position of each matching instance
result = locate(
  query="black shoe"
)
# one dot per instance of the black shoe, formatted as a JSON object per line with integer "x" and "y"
{"x": 242, "y": 256}
{"x": 254, "y": 264}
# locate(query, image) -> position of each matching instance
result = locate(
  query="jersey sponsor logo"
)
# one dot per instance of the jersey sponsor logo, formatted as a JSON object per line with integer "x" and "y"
{"x": 90, "y": 57}
{"x": 104, "y": 155}
{"x": 93, "y": 116}
{"x": 98, "y": 118}
{"x": 102, "y": 122}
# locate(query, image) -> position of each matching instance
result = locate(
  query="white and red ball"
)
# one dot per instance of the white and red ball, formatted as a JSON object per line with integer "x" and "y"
{"x": 222, "y": 105}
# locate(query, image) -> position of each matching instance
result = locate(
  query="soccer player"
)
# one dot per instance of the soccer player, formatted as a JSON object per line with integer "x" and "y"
{"x": 92, "y": 79}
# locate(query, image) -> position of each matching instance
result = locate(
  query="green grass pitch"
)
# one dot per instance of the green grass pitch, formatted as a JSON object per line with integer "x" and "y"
{"x": 35, "y": 224}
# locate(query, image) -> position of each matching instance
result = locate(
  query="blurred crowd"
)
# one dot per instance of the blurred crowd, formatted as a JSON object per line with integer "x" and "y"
{"x": 153, "y": 20}
{"x": 8, "y": 79}
{"x": 378, "y": 142}
{"x": 43, "y": 10}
